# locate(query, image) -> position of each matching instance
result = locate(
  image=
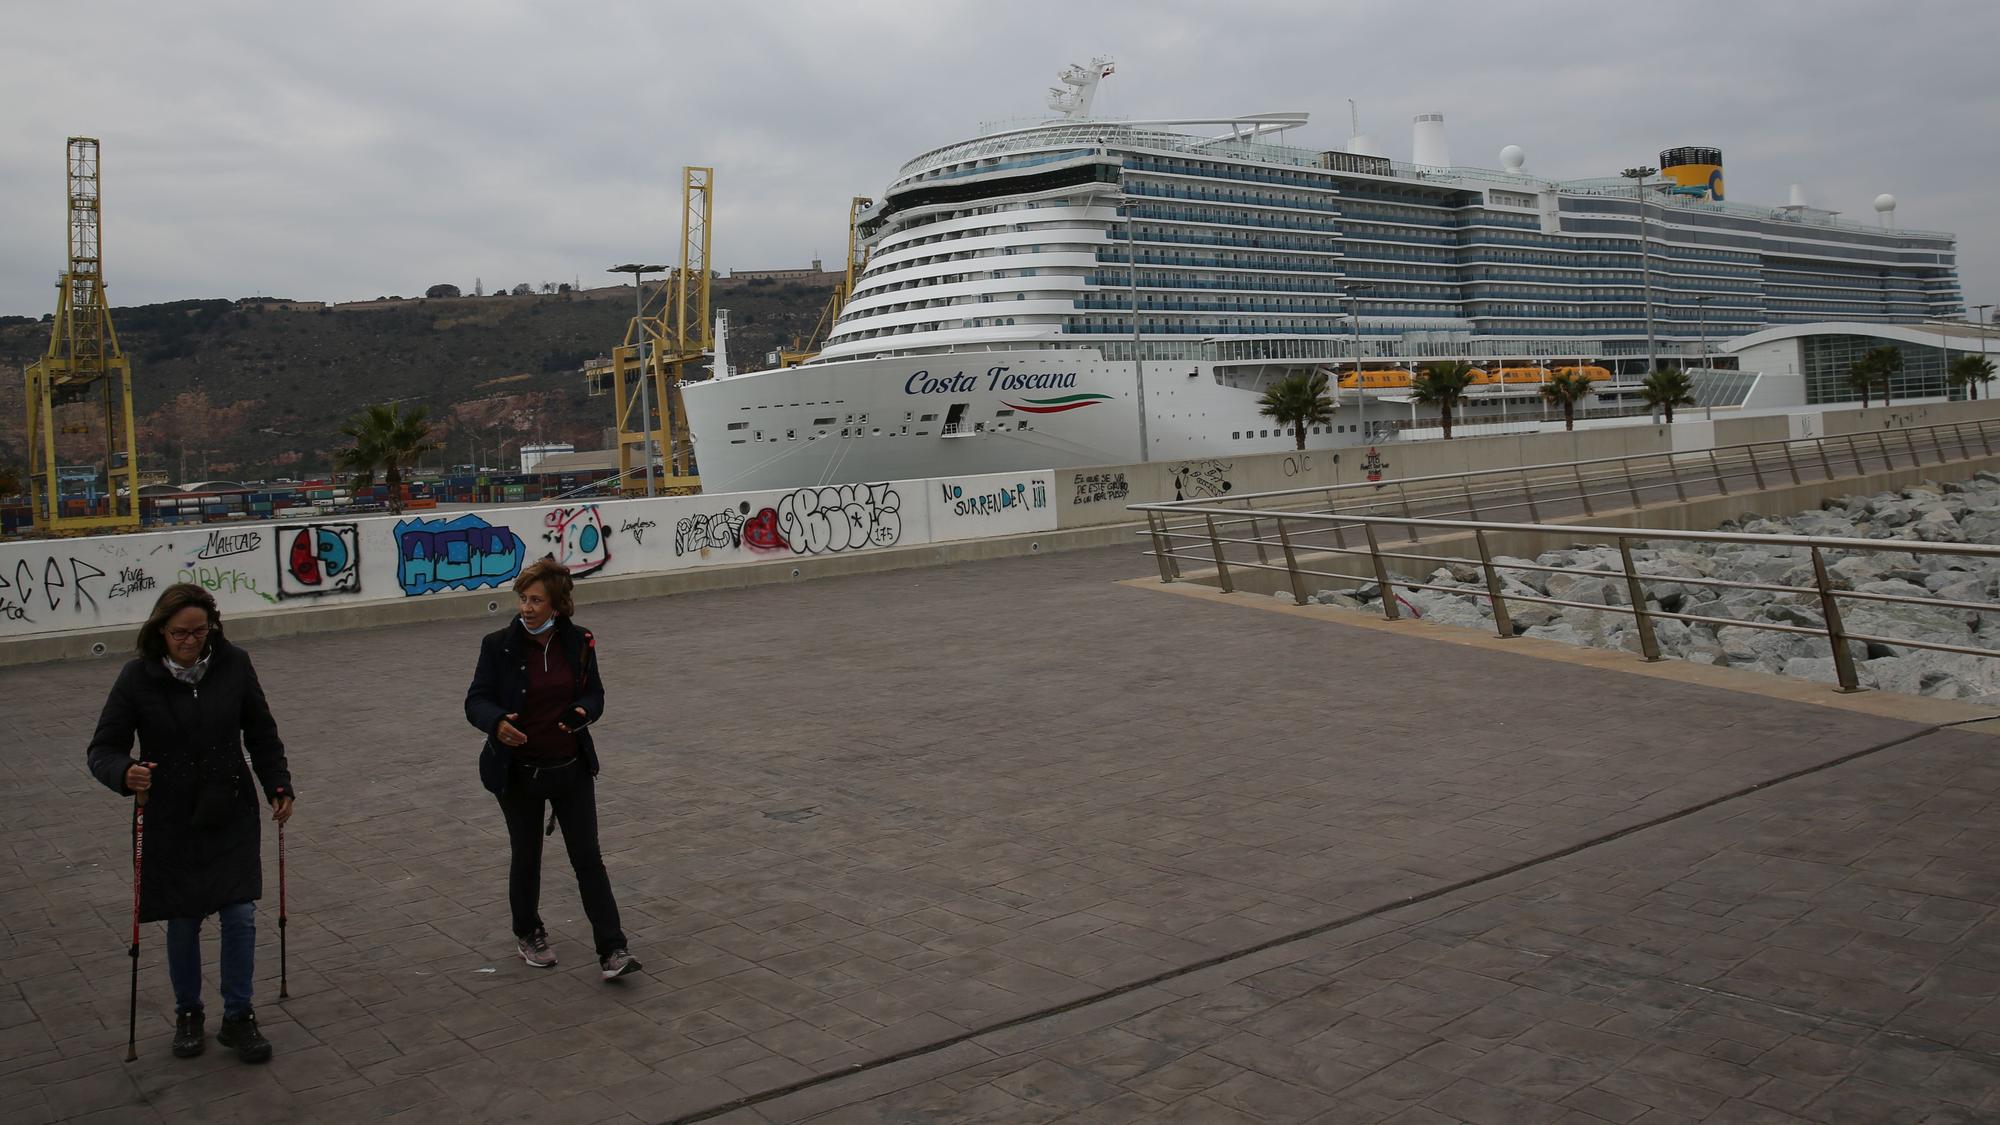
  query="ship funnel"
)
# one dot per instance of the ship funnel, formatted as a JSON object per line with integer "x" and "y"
{"x": 1428, "y": 147}
{"x": 1798, "y": 195}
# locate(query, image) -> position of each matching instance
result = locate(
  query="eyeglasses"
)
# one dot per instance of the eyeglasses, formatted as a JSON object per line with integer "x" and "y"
{"x": 196, "y": 634}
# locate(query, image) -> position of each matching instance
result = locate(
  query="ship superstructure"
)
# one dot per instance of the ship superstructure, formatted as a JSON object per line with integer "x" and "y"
{"x": 1086, "y": 291}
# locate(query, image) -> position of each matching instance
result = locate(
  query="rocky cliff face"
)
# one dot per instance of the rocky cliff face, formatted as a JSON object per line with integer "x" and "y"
{"x": 1967, "y": 512}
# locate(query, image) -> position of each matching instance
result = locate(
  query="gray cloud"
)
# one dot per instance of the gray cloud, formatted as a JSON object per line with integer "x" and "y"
{"x": 344, "y": 151}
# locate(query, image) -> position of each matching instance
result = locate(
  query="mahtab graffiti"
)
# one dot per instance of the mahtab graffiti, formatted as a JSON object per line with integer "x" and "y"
{"x": 578, "y": 539}
{"x": 462, "y": 553}
{"x": 319, "y": 559}
{"x": 1093, "y": 488}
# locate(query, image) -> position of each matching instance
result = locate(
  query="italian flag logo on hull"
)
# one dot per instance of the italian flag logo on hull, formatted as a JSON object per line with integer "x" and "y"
{"x": 1058, "y": 404}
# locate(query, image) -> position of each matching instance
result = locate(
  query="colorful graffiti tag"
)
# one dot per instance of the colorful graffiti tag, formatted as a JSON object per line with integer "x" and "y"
{"x": 319, "y": 559}
{"x": 580, "y": 540}
{"x": 462, "y": 553}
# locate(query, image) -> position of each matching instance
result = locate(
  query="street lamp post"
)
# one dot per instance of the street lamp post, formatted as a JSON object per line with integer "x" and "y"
{"x": 1638, "y": 177}
{"x": 1354, "y": 290}
{"x": 645, "y": 380}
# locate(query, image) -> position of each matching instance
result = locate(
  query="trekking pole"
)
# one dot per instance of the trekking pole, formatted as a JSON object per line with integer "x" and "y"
{"x": 138, "y": 854}
{"x": 283, "y": 993}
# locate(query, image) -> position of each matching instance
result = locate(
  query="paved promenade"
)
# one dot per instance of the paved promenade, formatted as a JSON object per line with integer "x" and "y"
{"x": 1010, "y": 842}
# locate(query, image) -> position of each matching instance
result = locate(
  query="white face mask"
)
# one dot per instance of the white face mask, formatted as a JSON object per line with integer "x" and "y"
{"x": 546, "y": 626}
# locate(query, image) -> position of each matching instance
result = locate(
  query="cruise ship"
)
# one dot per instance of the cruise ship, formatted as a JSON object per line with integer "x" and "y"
{"x": 1086, "y": 291}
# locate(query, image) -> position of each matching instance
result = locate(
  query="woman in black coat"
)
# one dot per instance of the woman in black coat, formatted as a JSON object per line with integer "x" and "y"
{"x": 534, "y": 695}
{"x": 193, "y": 700}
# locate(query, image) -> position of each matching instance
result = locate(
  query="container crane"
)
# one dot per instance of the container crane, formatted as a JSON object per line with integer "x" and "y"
{"x": 83, "y": 366}
{"x": 857, "y": 260}
{"x": 668, "y": 332}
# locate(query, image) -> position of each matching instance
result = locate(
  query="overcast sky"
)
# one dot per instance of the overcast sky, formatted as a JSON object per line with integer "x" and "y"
{"x": 348, "y": 150}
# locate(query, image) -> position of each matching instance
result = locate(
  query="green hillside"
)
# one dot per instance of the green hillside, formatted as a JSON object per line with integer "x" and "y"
{"x": 255, "y": 390}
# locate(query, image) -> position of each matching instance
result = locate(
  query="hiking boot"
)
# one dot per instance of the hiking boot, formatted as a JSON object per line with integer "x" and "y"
{"x": 616, "y": 964}
{"x": 189, "y": 1039}
{"x": 534, "y": 949}
{"x": 240, "y": 1034}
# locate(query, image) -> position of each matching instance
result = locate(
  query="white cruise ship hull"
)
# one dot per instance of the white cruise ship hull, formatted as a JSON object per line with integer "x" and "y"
{"x": 967, "y": 413}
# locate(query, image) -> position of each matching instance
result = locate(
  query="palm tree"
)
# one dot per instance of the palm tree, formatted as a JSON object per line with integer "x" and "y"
{"x": 1442, "y": 385}
{"x": 385, "y": 439}
{"x": 1298, "y": 400}
{"x": 1861, "y": 377}
{"x": 1970, "y": 372}
{"x": 1566, "y": 389}
{"x": 1665, "y": 389}
{"x": 1885, "y": 363}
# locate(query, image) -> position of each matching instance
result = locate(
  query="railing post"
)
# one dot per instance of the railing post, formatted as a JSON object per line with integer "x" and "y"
{"x": 1649, "y": 645}
{"x": 1717, "y": 466}
{"x": 1471, "y": 505}
{"x": 1755, "y": 472}
{"x": 1291, "y": 563}
{"x": 1257, "y": 537}
{"x": 1854, "y": 451}
{"x": 1403, "y": 492}
{"x": 1631, "y": 486}
{"x": 1825, "y": 462}
{"x": 1882, "y": 439}
{"x": 1985, "y": 442}
{"x": 1528, "y": 492}
{"x": 1836, "y": 635}
{"x": 1910, "y": 440}
{"x": 1582, "y": 490}
{"x": 1791, "y": 464}
{"x": 1159, "y": 546}
{"x": 1221, "y": 564}
{"x": 1382, "y": 585}
{"x": 1674, "y": 471}
{"x": 1958, "y": 435}
{"x": 1502, "y": 623}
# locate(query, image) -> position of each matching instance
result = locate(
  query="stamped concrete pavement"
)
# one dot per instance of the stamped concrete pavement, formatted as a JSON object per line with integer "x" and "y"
{"x": 873, "y": 819}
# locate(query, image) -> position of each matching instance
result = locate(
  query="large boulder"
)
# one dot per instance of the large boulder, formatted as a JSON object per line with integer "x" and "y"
{"x": 1590, "y": 588}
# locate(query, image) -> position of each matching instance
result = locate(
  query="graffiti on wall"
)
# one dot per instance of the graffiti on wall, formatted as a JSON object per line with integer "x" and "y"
{"x": 222, "y": 544}
{"x": 223, "y": 578}
{"x": 58, "y": 579}
{"x": 1094, "y": 488}
{"x": 1202, "y": 480}
{"x": 462, "y": 553}
{"x": 637, "y": 529}
{"x": 317, "y": 559}
{"x": 578, "y": 539}
{"x": 818, "y": 521}
{"x": 712, "y": 531}
{"x": 1020, "y": 495}
{"x": 131, "y": 580}
{"x": 1373, "y": 464}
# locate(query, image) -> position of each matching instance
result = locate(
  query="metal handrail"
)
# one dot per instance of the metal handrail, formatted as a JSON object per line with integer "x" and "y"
{"x": 1631, "y": 475}
{"x": 1636, "y": 606}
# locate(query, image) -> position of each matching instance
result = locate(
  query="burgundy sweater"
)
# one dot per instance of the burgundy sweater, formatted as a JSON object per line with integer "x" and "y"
{"x": 547, "y": 704}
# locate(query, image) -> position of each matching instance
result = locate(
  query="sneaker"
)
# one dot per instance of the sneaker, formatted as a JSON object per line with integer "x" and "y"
{"x": 189, "y": 1039}
{"x": 534, "y": 949}
{"x": 616, "y": 964}
{"x": 241, "y": 1035}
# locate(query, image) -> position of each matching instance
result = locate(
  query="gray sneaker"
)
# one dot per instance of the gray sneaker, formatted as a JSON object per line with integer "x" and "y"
{"x": 616, "y": 964}
{"x": 534, "y": 949}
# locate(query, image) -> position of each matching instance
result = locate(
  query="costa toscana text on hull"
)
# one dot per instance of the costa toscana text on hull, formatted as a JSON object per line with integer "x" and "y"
{"x": 993, "y": 327}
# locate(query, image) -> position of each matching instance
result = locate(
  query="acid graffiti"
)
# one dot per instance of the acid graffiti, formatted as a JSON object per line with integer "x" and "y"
{"x": 462, "y": 553}
{"x": 818, "y": 521}
{"x": 318, "y": 559}
{"x": 578, "y": 539}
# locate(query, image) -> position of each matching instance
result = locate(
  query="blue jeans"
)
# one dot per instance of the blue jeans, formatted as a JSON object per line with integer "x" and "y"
{"x": 239, "y": 959}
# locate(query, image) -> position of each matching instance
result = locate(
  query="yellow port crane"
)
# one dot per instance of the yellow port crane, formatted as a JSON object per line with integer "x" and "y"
{"x": 669, "y": 330}
{"x": 82, "y": 367}
{"x": 857, "y": 260}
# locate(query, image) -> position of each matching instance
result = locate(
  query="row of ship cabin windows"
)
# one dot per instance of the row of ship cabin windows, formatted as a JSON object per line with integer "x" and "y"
{"x": 1252, "y": 435}
{"x": 954, "y": 422}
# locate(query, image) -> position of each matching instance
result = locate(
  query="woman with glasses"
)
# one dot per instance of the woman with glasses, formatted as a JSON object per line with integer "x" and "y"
{"x": 192, "y": 700}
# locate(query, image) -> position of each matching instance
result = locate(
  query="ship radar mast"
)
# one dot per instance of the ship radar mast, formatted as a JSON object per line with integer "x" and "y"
{"x": 1074, "y": 102}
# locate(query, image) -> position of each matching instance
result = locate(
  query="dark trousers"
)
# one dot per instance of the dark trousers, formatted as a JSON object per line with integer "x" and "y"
{"x": 572, "y": 792}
